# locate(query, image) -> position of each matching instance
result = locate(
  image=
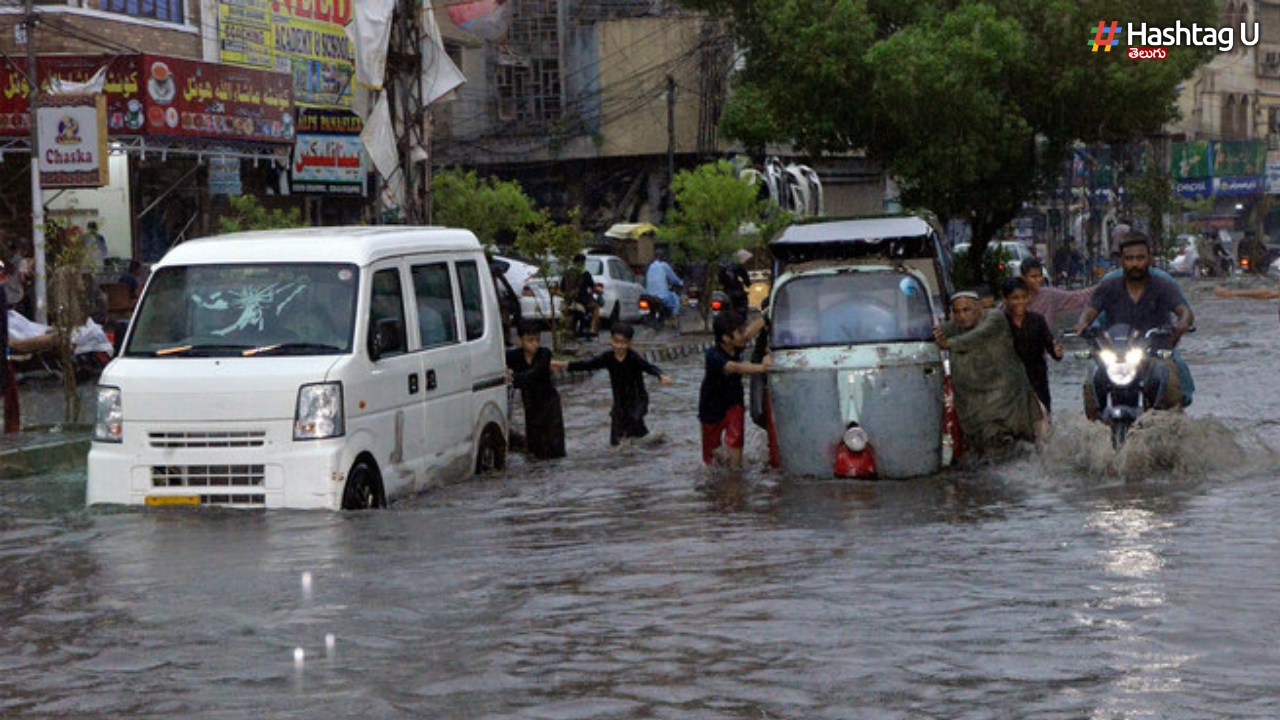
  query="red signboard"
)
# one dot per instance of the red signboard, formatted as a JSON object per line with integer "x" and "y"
{"x": 166, "y": 97}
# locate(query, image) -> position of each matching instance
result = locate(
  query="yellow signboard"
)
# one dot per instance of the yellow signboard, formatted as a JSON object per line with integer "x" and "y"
{"x": 279, "y": 36}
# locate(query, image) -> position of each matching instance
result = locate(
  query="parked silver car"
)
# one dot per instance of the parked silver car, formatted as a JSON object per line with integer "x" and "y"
{"x": 537, "y": 303}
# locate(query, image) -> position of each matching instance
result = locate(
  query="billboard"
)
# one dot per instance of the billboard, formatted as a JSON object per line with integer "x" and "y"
{"x": 73, "y": 141}
{"x": 304, "y": 38}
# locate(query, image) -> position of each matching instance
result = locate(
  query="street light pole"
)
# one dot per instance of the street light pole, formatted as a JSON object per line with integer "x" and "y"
{"x": 37, "y": 198}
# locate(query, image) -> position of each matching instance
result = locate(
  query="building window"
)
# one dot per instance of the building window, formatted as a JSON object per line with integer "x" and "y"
{"x": 163, "y": 10}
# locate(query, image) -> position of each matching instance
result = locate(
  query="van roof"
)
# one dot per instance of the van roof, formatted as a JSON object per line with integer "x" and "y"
{"x": 354, "y": 244}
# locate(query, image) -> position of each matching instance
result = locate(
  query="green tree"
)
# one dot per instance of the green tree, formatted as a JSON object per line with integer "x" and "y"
{"x": 544, "y": 242}
{"x": 246, "y": 213}
{"x": 716, "y": 213}
{"x": 967, "y": 103}
{"x": 488, "y": 207}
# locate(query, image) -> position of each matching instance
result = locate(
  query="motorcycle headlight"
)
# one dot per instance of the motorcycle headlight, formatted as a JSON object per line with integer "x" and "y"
{"x": 319, "y": 412}
{"x": 109, "y": 426}
{"x": 1133, "y": 357}
{"x": 855, "y": 438}
{"x": 1122, "y": 373}
{"x": 1108, "y": 357}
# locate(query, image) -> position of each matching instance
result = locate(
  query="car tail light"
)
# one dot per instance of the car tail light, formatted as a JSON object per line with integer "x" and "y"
{"x": 716, "y": 305}
{"x": 527, "y": 291}
{"x": 644, "y": 304}
{"x": 599, "y": 288}
{"x": 1244, "y": 263}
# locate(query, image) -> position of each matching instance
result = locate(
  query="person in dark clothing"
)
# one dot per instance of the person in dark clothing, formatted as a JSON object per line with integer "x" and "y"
{"x": 529, "y": 368}
{"x": 721, "y": 398}
{"x": 626, "y": 377}
{"x": 578, "y": 289}
{"x": 735, "y": 281}
{"x": 8, "y": 381}
{"x": 1032, "y": 338}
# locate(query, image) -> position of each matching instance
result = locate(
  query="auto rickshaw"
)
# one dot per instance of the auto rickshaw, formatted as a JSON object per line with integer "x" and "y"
{"x": 858, "y": 386}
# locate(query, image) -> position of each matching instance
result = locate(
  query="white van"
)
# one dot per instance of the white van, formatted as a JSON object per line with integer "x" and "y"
{"x": 311, "y": 368}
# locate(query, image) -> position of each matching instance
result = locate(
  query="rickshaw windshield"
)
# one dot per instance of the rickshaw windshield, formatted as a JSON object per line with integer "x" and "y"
{"x": 851, "y": 308}
{"x": 234, "y": 310}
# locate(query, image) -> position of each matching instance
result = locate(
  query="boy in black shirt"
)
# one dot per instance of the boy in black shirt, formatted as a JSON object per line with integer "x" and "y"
{"x": 720, "y": 401}
{"x": 529, "y": 367}
{"x": 626, "y": 376}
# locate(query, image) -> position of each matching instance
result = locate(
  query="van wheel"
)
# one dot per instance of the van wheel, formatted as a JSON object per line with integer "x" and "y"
{"x": 363, "y": 490}
{"x": 492, "y": 454}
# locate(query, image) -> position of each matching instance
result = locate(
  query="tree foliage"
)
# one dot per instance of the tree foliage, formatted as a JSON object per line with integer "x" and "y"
{"x": 246, "y": 213}
{"x": 488, "y": 207}
{"x": 546, "y": 241}
{"x": 967, "y": 103}
{"x": 713, "y": 208}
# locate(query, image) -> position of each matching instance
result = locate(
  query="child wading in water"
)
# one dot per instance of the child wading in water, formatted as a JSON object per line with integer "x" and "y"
{"x": 529, "y": 368}
{"x": 626, "y": 377}
{"x": 720, "y": 402}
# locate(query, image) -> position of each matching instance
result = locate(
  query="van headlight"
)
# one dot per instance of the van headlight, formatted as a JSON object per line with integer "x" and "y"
{"x": 319, "y": 413}
{"x": 109, "y": 425}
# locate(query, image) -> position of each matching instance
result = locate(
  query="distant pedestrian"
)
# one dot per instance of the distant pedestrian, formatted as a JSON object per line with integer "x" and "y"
{"x": 95, "y": 247}
{"x": 735, "y": 281}
{"x": 529, "y": 368}
{"x": 626, "y": 377}
{"x": 721, "y": 399}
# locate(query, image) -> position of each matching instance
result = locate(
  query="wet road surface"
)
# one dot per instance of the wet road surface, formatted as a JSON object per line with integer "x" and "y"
{"x": 635, "y": 584}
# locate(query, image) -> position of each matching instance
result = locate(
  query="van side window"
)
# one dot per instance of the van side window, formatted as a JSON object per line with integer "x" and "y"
{"x": 472, "y": 300}
{"x": 433, "y": 292}
{"x": 388, "y": 303}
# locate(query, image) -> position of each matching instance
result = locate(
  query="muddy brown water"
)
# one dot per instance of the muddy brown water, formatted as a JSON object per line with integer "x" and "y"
{"x": 633, "y": 584}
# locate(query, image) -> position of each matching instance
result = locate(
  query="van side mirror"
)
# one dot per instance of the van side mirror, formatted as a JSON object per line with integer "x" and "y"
{"x": 387, "y": 334}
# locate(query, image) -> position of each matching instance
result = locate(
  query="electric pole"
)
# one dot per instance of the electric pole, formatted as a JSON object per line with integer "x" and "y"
{"x": 37, "y": 198}
{"x": 409, "y": 117}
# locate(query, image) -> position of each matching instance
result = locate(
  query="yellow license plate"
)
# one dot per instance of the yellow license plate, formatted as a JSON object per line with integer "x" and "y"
{"x": 163, "y": 500}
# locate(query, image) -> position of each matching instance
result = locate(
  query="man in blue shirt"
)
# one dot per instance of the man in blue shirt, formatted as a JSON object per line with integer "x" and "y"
{"x": 659, "y": 280}
{"x": 1143, "y": 302}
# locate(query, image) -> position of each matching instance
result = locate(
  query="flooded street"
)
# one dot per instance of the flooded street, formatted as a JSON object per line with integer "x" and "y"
{"x": 634, "y": 584}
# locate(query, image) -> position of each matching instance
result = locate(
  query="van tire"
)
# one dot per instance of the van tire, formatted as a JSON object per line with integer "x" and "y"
{"x": 363, "y": 490}
{"x": 492, "y": 453}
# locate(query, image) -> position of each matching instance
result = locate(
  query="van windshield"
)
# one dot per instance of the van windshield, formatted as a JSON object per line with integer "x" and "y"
{"x": 850, "y": 308}
{"x": 246, "y": 310}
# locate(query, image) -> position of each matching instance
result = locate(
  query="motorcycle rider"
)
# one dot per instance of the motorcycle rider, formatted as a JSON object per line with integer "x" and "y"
{"x": 1143, "y": 302}
{"x": 659, "y": 280}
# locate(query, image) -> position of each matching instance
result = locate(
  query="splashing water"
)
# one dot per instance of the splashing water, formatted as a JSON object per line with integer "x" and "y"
{"x": 1159, "y": 443}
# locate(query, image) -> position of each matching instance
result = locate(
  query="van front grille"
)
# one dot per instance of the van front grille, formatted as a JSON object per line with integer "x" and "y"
{"x": 167, "y": 476}
{"x": 229, "y": 439}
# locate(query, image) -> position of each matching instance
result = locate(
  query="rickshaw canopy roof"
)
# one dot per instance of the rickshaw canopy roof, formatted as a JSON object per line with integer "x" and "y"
{"x": 892, "y": 235}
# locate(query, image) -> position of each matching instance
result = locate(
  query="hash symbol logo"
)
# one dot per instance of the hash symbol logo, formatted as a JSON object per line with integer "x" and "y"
{"x": 1105, "y": 36}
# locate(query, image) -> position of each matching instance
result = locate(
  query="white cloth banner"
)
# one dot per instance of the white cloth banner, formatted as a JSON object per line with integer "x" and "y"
{"x": 379, "y": 138}
{"x": 439, "y": 74}
{"x": 370, "y": 32}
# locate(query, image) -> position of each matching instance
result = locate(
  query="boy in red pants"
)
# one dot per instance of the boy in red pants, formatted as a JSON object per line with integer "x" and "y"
{"x": 720, "y": 401}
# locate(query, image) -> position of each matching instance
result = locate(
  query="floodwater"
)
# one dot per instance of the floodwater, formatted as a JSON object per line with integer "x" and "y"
{"x": 633, "y": 584}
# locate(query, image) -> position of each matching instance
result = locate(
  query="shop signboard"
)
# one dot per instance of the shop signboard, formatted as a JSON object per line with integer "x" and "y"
{"x": 305, "y": 38}
{"x": 189, "y": 98}
{"x": 1273, "y": 178}
{"x": 224, "y": 176}
{"x": 1239, "y": 158}
{"x": 165, "y": 96}
{"x": 1190, "y": 160}
{"x": 1192, "y": 187}
{"x": 72, "y": 130}
{"x": 331, "y": 164}
{"x": 122, "y": 89}
{"x": 1239, "y": 185}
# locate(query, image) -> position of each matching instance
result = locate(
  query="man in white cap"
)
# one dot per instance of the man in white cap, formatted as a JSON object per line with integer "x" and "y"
{"x": 994, "y": 398}
{"x": 734, "y": 280}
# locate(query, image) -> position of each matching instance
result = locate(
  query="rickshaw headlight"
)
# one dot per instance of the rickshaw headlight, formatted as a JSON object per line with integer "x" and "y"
{"x": 855, "y": 438}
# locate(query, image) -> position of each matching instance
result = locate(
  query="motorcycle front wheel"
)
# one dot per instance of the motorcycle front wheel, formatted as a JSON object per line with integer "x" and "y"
{"x": 1119, "y": 433}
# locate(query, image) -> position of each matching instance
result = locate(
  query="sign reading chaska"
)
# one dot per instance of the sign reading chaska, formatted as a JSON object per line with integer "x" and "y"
{"x": 1151, "y": 42}
{"x": 73, "y": 141}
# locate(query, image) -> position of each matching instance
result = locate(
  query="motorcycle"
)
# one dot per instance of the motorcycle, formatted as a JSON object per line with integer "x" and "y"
{"x": 655, "y": 311}
{"x": 1127, "y": 378}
